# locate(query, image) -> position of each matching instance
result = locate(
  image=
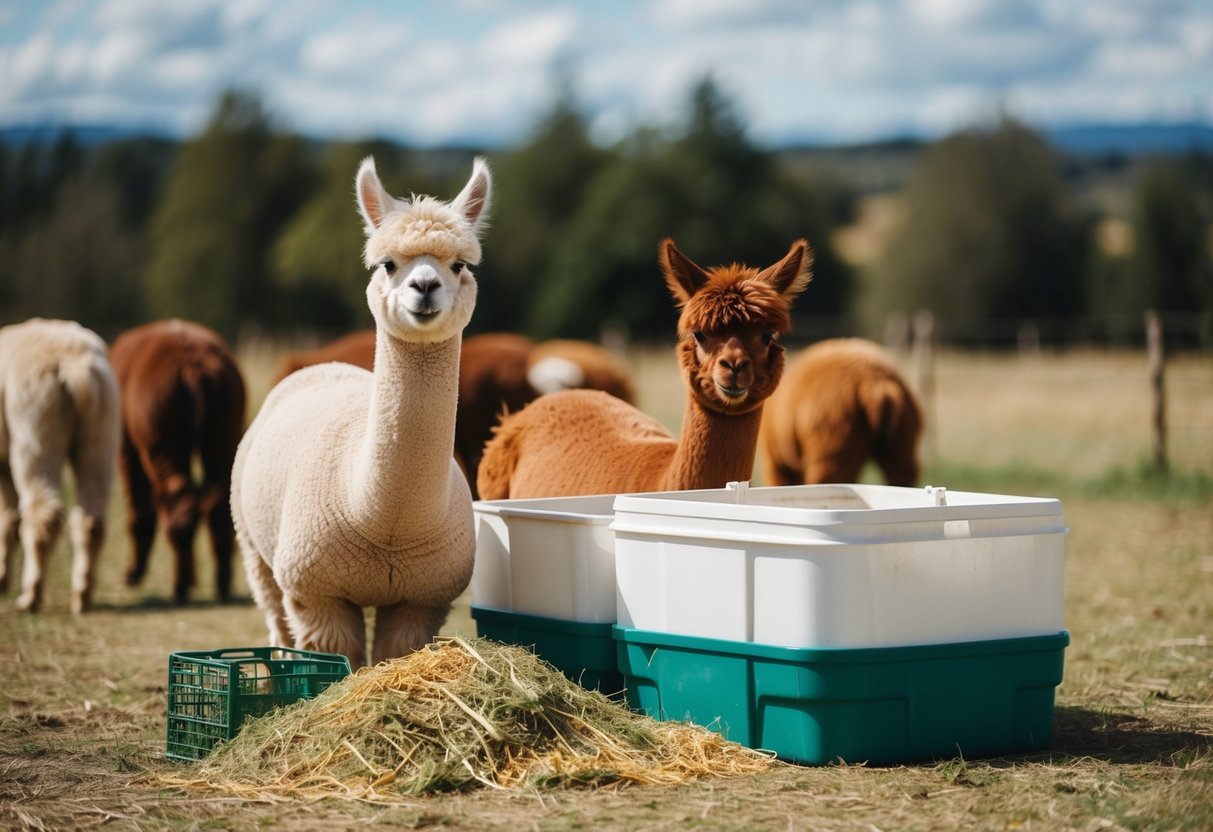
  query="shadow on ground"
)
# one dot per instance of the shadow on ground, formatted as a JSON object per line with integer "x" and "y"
{"x": 1123, "y": 738}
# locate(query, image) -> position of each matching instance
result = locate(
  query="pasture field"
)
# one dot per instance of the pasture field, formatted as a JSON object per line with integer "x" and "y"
{"x": 82, "y": 699}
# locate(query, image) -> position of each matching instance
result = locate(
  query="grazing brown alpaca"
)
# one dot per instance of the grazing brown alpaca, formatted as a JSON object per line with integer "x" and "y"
{"x": 565, "y": 364}
{"x": 182, "y": 396}
{"x": 842, "y": 402}
{"x": 492, "y": 379}
{"x": 588, "y": 442}
{"x": 357, "y": 348}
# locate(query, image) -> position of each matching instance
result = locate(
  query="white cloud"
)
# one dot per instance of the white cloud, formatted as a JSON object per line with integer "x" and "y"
{"x": 532, "y": 42}
{"x": 857, "y": 69}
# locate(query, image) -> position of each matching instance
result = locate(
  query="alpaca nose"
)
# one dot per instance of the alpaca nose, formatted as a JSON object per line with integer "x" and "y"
{"x": 424, "y": 284}
{"x": 735, "y": 365}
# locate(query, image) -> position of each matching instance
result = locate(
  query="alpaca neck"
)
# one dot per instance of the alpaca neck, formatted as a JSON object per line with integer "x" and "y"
{"x": 713, "y": 449}
{"x": 402, "y": 471}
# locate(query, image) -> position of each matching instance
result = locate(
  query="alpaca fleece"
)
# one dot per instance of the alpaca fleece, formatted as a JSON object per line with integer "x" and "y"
{"x": 58, "y": 405}
{"x": 841, "y": 403}
{"x": 499, "y": 372}
{"x": 182, "y": 396}
{"x": 345, "y": 493}
{"x": 579, "y": 442}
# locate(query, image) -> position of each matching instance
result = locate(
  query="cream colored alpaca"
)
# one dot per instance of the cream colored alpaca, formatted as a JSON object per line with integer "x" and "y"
{"x": 345, "y": 493}
{"x": 58, "y": 404}
{"x": 842, "y": 402}
{"x": 589, "y": 442}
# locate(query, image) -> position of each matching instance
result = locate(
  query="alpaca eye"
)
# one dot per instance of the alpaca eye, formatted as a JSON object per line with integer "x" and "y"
{"x": 389, "y": 266}
{"x": 699, "y": 336}
{"x": 458, "y": 266}
{"x": 768, "y": 337}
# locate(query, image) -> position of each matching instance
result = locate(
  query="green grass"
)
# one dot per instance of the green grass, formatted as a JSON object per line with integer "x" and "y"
{"x": 1143, "y": 481}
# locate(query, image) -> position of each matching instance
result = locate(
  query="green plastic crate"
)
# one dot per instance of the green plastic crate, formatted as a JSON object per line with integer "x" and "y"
{"x": 583, "y": 651}
{"x": 212, "y": 692}
{"x": 880, "y": 705}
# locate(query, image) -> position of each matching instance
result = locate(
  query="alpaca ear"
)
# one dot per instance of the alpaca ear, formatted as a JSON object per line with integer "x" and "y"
{"x": 373, "y": 201}
{"x": 682, "y": 275}
{"x": 792, "y": 274}
{"x": 473, "y": 201}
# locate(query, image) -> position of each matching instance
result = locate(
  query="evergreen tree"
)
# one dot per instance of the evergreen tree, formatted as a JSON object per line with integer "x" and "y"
{"x": 1170, "y": 264}
{"x": 539, "y": 188}
{"x": 231, "y": 191}
{"x": 989, "y": 237}
{"x": 80, "y": 263}
{"x": 722, "y": 200}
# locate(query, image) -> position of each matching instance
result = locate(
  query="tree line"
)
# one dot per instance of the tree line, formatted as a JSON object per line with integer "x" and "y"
{"x": 248, "y": 224}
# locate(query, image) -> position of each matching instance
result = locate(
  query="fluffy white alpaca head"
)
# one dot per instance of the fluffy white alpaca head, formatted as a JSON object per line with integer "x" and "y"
{"x": 420, "y": 251}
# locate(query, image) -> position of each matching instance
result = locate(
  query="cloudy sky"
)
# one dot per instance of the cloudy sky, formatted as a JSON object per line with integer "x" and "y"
{"x": 483, "y": 70}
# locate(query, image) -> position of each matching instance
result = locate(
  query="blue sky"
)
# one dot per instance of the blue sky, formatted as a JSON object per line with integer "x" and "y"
{"x": 483, "y": 70}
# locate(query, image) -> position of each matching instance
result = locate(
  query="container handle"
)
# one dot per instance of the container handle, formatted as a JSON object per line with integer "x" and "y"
{"x": 739, "y": 489}
{"x": 939, "y": 494}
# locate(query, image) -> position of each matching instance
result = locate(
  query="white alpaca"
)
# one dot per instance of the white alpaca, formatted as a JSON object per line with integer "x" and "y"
{"x": 58, "y": 404}
{"x": 345, "y": 493}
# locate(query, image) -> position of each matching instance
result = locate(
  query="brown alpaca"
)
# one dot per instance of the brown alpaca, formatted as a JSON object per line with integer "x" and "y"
{"x": 842, "y": 402}
{"x": 564, "y": 364}
{"x": 498, "y": 372}
{"x": 357, "y": 348}
{"x": 182, "y": 396}
{"x": 588, "y": 442}
{"x": 492, "y": 378}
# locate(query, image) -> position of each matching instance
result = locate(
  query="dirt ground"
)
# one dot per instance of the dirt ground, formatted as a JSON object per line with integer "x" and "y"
{"x": 82, "y": 700}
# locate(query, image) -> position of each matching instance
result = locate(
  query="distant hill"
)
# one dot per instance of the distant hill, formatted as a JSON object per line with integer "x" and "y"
{"x": 1133, "y": 139}
{"x": 1084, "y": 139}
{"x": 84, "y": 134}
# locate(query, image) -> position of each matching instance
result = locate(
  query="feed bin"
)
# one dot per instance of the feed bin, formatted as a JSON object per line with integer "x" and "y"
{"x": 829, "y": 622}
{"x": 545, "y": 579}
{"x": 552, "y": 557}
{"x": 879, "y": 705}
{"x": 839, "y": 566}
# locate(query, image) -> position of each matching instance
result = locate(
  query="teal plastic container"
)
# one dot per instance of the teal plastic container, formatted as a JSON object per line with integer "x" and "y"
{"x": 878, "y": 705}
{"x": 583, "y": 651}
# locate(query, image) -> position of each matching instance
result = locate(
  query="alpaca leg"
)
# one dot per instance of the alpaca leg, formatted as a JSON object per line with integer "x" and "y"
{"x": 219, "y": 524}
{"x": 328, "y": 625}
{"x": 267, "y": 594}
{"x": 899, "y": 468}
{"x": 181, "y": 515}
{"x": 819, "y": 470}
{"x": 37, "y": 474}
{"x": 142, "y": 523}
{"x": 775, "y": 473}
{"x": 216, "y": 494}
{"x": 169, "y": 466}
{"x": 87, "y": 533}
{"x": 93, "y": 466}
{"x": 41, "y": 521}
{"x": 403, "y": 628}
{"x": 9, "y": 523}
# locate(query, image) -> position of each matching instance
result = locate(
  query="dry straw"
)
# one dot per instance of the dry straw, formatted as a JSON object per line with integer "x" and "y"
{"x": 459, "y": 715}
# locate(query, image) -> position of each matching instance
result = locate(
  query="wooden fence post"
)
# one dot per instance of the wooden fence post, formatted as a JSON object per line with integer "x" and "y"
{"x": 1158, "y": 391}
{"x": 923, "y": 358}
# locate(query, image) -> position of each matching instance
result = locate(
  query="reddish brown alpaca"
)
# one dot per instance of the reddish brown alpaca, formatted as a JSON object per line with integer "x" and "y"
{"x": 357, "y": 348}
{"x": 495, "y": 376}
{"x": 842, "y": 402}
{"x": 587, "y": 442}
{"x": 492, "y": 379}
{"x": 594, "y": 368}
{"x": 182, "y": 394}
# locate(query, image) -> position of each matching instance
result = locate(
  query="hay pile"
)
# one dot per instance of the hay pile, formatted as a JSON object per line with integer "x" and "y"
{"x": 459, "y": 715}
